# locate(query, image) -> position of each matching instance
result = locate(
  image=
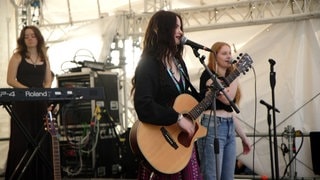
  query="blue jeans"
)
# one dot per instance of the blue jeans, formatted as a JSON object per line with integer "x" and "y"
{"x": 227, "y": 148}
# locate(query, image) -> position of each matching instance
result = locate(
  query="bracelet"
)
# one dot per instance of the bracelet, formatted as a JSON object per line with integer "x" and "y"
{"x": 180, "y": 116}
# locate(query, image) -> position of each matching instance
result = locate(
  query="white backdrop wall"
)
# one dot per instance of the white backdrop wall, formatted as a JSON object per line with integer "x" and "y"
{"x": 295, "y": 46}
{"x": 7, "y": 44}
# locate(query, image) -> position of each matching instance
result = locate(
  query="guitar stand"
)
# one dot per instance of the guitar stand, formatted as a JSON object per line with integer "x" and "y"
{"x": 31, "y": 141}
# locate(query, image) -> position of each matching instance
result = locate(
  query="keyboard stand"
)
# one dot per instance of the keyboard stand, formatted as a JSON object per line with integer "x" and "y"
{"x": 33, "y": 143}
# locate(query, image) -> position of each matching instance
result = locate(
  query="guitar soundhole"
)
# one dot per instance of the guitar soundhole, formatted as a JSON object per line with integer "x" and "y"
{"x": 184, "y": 138}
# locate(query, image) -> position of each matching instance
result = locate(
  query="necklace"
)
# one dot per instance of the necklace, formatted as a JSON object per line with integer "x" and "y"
{"x": 34, "y": 62}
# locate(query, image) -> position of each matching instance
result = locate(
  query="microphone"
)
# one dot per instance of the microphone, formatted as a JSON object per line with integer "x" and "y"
{"x": 194, "y": 45}
{"x": 232, "y": 61}
{"x": 272, "y": 62}
{"x": 268, "y": 105}
{"x": 78, "y": 62}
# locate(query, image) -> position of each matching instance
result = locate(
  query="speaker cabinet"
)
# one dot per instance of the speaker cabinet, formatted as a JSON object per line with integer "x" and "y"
{"x": 108, "y": 158}
{"x": 110, "y": 82}
{"x": 77, "y": 113}
{"x": 315, "y": 149}
{"x": 114, "y": 157}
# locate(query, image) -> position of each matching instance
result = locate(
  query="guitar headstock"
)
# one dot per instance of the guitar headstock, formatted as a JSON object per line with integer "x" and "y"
{"x": 244, "y": 63}
{"x": 50, "y": 124}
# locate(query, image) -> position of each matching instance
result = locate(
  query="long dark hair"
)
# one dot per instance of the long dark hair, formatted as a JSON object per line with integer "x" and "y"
{"x": 41, "y": 46}
{"x": 159, "y": 41}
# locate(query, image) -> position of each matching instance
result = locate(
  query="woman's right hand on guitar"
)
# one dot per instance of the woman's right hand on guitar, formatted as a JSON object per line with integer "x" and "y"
{"x": 187, "y": 125}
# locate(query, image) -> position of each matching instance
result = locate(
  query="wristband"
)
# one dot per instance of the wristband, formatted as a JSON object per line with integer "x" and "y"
{"x": 180, "y": 116}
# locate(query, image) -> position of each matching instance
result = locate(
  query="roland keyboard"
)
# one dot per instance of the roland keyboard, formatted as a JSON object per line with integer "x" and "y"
{"x": 51, "y": 94}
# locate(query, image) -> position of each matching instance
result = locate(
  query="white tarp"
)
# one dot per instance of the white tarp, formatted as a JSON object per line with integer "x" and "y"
{"x": 295, "y": 47}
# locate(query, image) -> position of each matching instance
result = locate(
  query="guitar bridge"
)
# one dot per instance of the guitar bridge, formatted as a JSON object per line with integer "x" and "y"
{"x": 168, "y": 138}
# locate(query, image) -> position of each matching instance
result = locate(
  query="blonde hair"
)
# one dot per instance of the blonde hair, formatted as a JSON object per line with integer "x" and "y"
{"x": 212, "y": 63}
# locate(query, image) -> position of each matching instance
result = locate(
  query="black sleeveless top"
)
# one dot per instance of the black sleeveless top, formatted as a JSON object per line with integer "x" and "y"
{"x": 203, "y": 89}
{"x": 31, "y": 75}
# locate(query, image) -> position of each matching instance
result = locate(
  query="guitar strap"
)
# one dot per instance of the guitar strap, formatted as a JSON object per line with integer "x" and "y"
{"x": 193, "y": 89}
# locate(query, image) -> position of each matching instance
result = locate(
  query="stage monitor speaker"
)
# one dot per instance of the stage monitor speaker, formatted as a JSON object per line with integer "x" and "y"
{"x": 115, "y": 159}
{"x": 315, "y": 149}
{"x": 110, "y": 83}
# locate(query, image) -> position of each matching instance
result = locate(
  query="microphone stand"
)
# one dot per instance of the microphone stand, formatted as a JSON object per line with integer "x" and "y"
{"x": 275, "y": 141}
{"x": 216, "y": 86}
{"x": 270, "y": 138}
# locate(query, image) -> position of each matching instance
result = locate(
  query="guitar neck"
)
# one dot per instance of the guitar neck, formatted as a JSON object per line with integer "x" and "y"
{"x": 195, "y": 112}
{"x": 206, "y": 102}
{"x": 56, "y": 158}
{"x": 232, "y": 76}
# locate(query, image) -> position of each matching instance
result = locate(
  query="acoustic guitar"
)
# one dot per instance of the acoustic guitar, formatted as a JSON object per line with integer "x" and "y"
{"x": 168, "y": 149}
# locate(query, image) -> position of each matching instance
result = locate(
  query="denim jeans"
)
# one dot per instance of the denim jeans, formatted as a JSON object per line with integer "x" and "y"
{"x": 227, "y": 148}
